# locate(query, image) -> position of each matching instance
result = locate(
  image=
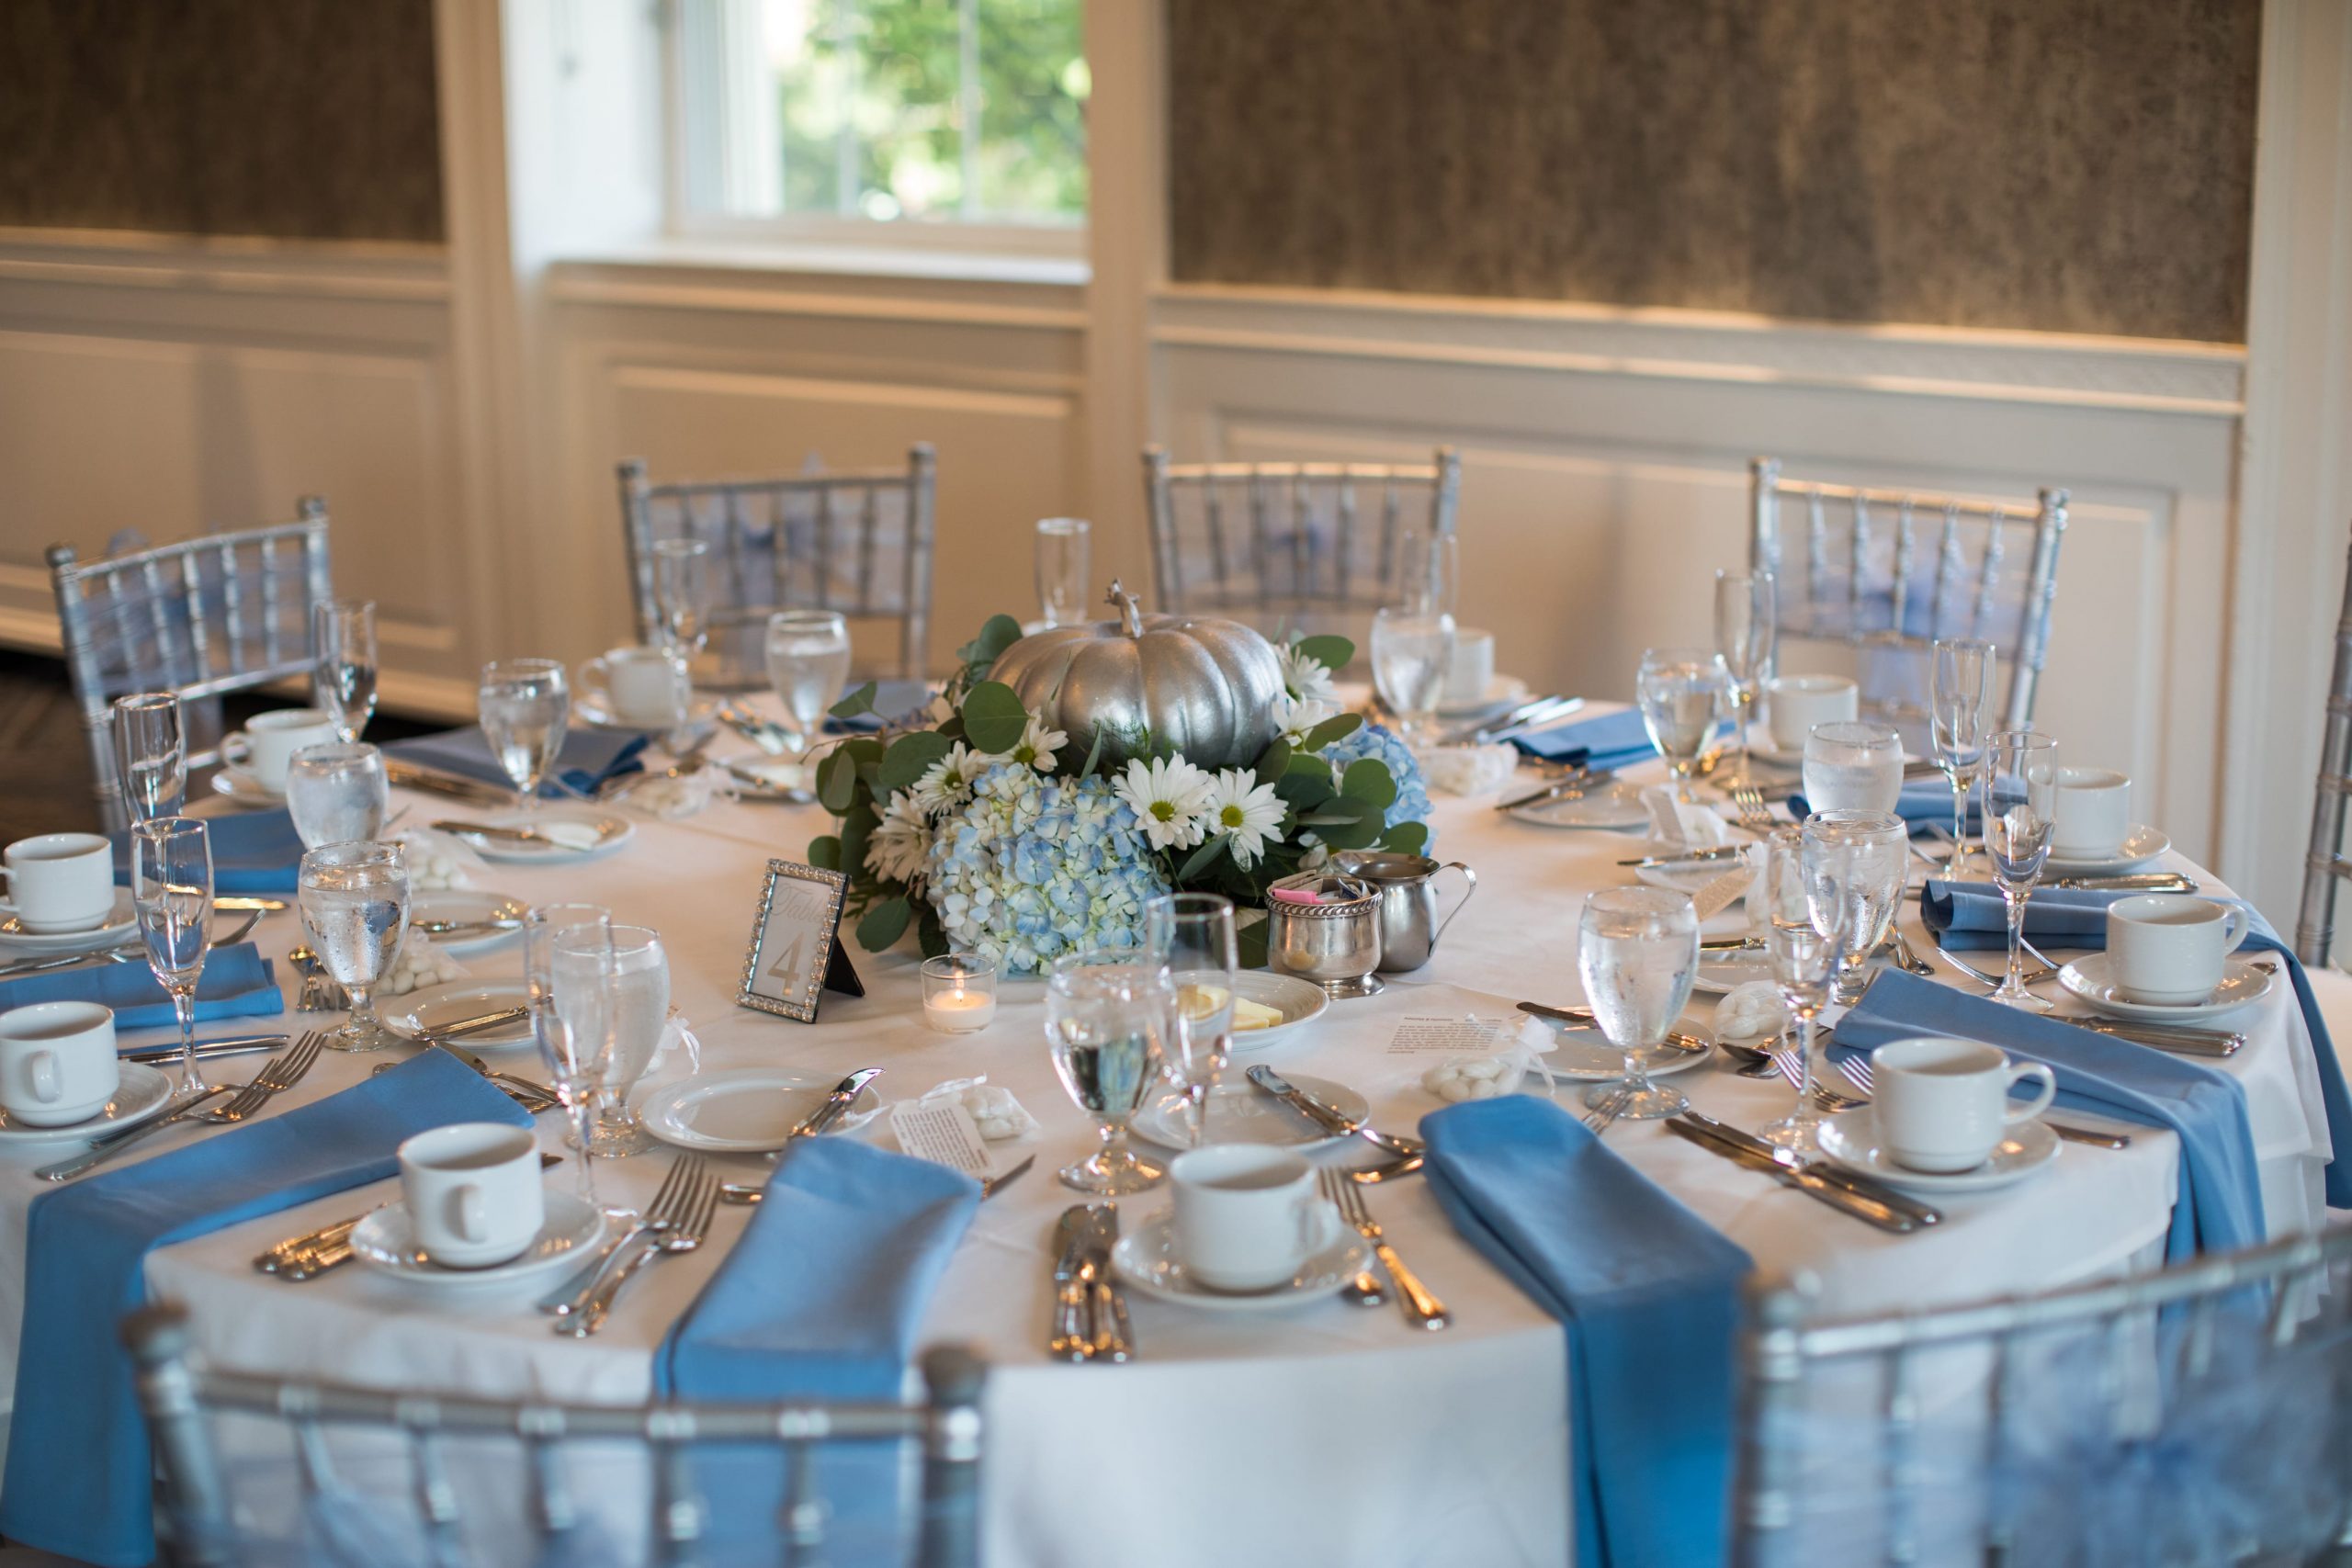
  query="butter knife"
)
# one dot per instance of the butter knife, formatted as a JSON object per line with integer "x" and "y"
{"x": 1114, "y": 1339}
{"x": 1571, "y": 785}
{"x": 2134, "y": 882}
{"x": 1327, "y": 1117}
{"x": 2213, "y": 1043}
{"x": 1581, "y": 1018}
{"x": 1811, "y": 1183}
{"x": 243, "y": 1045}
{"x": 242, "y": 901}
{"x": 1878, "y": 1191}
{"x": 478, "y": 1023}
{"x": 837, "y": 1102}
{"x": 1688, "y": 857}
{"x": 1071, "y": 1340}
{"x": 457, "y": 786}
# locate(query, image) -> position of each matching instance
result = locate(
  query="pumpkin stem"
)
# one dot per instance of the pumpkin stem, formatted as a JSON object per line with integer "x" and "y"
{"x": 1129, "y": 607}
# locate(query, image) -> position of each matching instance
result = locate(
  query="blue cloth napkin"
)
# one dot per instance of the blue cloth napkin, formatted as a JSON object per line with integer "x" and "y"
{"x": 79, "y": 1480}
{"x": 1612, "y": 740}
{"x": 1649, "y": 1294}
{"x": 1969, "y": 914}
{"x": 253, "y": 852}
{"x": 820, "y": 1299}
{"x": 2220, "y": 1189}
{"x": 1923, "y": 803}
{"x": 590, "y": 757}
{"x": 238, "y": 982}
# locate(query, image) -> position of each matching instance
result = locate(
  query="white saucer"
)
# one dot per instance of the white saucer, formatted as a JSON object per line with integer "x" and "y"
{"x": 241, "y": 788}
{"x": 1765, "y": 749}
{"x": 385, "y": 1240}
{"x": 1300, "y": 1002}
{"x": 1244, "y": 1114}
{"x": 1146, "y": 1258}
{"x": 2141, "y": 845}
{"x": 140, "y": 1097}
{"x": 464, "y": 903}
{"x": 1851, "y": 1139}
{"x": 619, "y": 831}
{"x": 2092, "y": 978}
{"x": 419, "y": 1013}
{"x": 589, "y": 708}
{"x": 749, "y": 1110}
{"x": 1615, "y": 805}
{"x": 1502, "y": 692}
{"x": 120, "y": 923}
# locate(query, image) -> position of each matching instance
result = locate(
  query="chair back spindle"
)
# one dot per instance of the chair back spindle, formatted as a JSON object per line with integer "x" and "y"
{"x": 2324, "y": 861}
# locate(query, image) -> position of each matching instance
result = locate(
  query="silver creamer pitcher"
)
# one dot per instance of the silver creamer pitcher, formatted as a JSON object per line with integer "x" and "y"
{"x": 1408, "y": 888}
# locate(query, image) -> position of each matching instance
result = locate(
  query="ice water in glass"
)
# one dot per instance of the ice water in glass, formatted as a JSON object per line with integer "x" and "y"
{"x": 338, "y": 794}
{"x": 525, "y": 706}
{"x": 354, "y": 901}
{"x": 1062, "y": 568}
{"x": 1638, "y": 953}
{"x": 1410, "y": 651}
{"x": 1853, "y": 766}
{"x": 808, "y": 655}
{"x": 343, "y": 668}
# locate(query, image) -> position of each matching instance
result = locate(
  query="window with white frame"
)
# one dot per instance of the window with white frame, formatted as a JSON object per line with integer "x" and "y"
{"x": 961, "y": 122}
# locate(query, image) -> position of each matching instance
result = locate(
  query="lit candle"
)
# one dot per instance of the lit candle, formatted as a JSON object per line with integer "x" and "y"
{"x": 959, "y": 1011}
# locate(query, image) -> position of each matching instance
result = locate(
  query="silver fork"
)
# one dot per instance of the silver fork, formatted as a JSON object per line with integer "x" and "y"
{"x": 1365, "y": 1289}
{"x": 687, "y": 1220}
{"x": 1754, "y": 815}
{"x": 1824, "y": 1097}
{"x": 279, "y": 1074}
{"x": 321, "y": 991}
{"x": 572, "y": 1294}
{"x": 1601, "y": 1115}
{"x": 1421, "y": 1309}
{"x": 2032, "y": 976}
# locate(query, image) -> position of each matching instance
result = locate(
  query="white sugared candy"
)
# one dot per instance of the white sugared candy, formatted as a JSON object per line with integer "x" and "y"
{"x": 994, "y": 1110}
{"x": 1750, "y": 1012}
{"x": 420, "y": 963}
{"x": 436, "y": 861}
{"x": 1475, "y": 1078}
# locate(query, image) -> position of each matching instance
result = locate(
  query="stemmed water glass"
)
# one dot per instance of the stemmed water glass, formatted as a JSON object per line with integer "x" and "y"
{"x": 1802, "y": 941}
{"x": 1637, "y": 952}
{"x": 1062, "y": 567}
{"x": 342, "y": 663}
{"x": 1960, "y": 709}
{"x": 338, "y": 794}
{"x": 575, "y": 1062}
{"x": 1683, "y": 694}
{"x": 1192, "y": 933}
{"x": 1853, "y": 765}
{"x": 612, "y": 988}
{"x": 1744, "y": 640}
{"x": 1411, "y": 647}
{"x": 354, "y": 899}
{"x": 2020, "y": 808}
{"x": 681, "y": 612}
{"x": 1428, "y": 571}
{"x": 808, "y": 656}
{"x": 1108, "y": 1021}
{"x": 171, "y": 887}
{"x": 149, "y": 754}
{"x": 1856, "y": 867}
{"x": 525, "y": 706}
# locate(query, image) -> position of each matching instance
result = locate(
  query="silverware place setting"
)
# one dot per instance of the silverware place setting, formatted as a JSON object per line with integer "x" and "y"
{"x": 676, "y": 1222}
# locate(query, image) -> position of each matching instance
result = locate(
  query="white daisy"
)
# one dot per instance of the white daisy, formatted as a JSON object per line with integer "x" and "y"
{"x": 1038, "y": 745}
{"x": 1245, "y": 812}
{"x": 947, "y": 783}
{"x": 1308, "y": 680}
{"x": 1170, "y": 798}
{"x": 1295, "y": 716}
{"x": 896, "y": 849}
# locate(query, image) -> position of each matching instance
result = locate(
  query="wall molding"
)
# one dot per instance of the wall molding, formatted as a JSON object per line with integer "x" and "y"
{"x": 745, "y": 291}
{"x": 192, "y": 264}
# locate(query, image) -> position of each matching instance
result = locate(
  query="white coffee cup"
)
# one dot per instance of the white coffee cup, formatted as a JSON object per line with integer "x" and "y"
{"x": 640, "y": 686}
{"x": 1943, "y": 1105}
{"x": 473, "y": 1192}
{"x": 1800, "y": 701}
{"x": 1247, "y": 1216}
{"x": 2093, "y": 814}
{"x": 60, "y": 882}
{"x": 1471, "y": 671}
{"x": 266, "y": 746}
{"x": 2170, "y": 947}
{"x": 57, "y": 1062}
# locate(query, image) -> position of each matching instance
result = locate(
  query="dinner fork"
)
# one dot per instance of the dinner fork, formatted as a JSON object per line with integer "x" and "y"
{"x": 2032, "y": 976}
{"x": 573, "y": 1293}
{"x": 1364, "y": 1289}
{"x": 280, "y": 1073}
{"x": 1421, "y": 1309}
{"x": 1601, "y": 1115}
{"x": 688, "y": 1220}
{"x": 321, "y": 991}
{"x": 1824, "y": 1097}
{"x": 1754, "y": 815}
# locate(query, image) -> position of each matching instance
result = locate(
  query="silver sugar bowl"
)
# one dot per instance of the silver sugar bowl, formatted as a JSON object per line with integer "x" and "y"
{"x": 1334, "y": 941}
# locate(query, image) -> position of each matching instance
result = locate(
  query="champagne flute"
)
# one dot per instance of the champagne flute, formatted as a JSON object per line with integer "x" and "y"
{"x": 354, "y": 902}
{"x": 1108, "y": 1019}
{"x": 612, "y": 986}
{"x": 1062, "y": 550}
{"x": 1744, "y": 640}
{"x": 682, "y": 611}
{"x": 338, "y": 795}
{"x": 1428, "y": 571}
{"x": 1959, "y": 705}
{"x": 1192, "y": 933}
{"x": 171, "y": 887}
{"x": 1682, "y": 693}
{"x": 149, "y": 754}
{"x": 1856, "y": 870}
{"x": 342, "y": 663}
{"x": 524, "y": 704}
{"x": 1803, "y": 942}
{"x": 1411, "y": 648}
{"x": 808, "y": 656}
{"x": 1637, "y": 952}
{"x": 576, "y": 1062}
{"x": 2020, "y": 808}
{"x": 1853, "y": 765}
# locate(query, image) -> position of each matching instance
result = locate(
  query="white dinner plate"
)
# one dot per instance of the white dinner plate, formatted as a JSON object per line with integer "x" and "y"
{"x": 589, "y": 708}
{"x": 1719, "y": 972}
{"x": 436, "y": 1008}
{"x": 2141, "y": 845}
{"x": 1615, "y": 805}
{"x": 1584, "y": 1055}
{"x": 1146, "y": 1258}
{"x": 599, "y": 834}
{"x": 1244, "y": 1114}
{"x": 1851, "y": 1139}
{"x": 464, "y": 903}
{"x": 749, "y": 1110}
{"x": 2092, "y": 978}
{"x": 140, "y": 1097}
{"x": 1502, "y": 692}
{"x": 238, "y": 787}
{"x": 1687, "y": 879}
{"x": 120, "y": 924}
{"x": 1300, "y": 1002}
{"x": 385, "y": 1240}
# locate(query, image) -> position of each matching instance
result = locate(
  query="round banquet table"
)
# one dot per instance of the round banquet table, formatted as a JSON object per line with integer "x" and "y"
{"x": 1318, "y": 1434}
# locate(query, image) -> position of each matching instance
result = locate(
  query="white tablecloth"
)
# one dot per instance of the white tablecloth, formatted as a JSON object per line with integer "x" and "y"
{"x": 1322, "y": 1434}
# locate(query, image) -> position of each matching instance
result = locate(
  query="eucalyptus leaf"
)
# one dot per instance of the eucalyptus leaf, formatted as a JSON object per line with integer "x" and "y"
{"x": 1201, "y": 859}
{"x": 1331, "y": 731}
{"x": 837, "y": 780}
{"x": 1300, "y": 791}
{"x": 858, "y": 702}
{"x": 1337, "y": 812}
{"x": 884, "y": 924}
{"x": 909, "y": 757}
{"x": 993, "y": 716}
{"x": 1354, "y": 835}
{"x": 1273, "y": 762}
{"x": 825, "y": 854}
{"x": 1368, "y": 779}
{"x": 1094, "y": 754}
{"x": 1406, "y": 838}
{"x": 1334, "y": 653}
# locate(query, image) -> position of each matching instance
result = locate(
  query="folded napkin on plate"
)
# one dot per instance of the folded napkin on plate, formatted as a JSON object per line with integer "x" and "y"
{"x": 591, "y": 757}
{"x": 238, "y": 982}
{"x": 1969, "y": 914}
{"x": 253, "y": 852}
{"x": 820, "y": 1299}
{"x": 1612, "y": 740}
{"x": 1649, "y": 1294}
{"x": 1467, "y": 770}
{"x": 2220, "y": 1190}
{"x": 893, "y": 700}
{"x": 1923, "y": 803}
{"x": 79, "y": 1481}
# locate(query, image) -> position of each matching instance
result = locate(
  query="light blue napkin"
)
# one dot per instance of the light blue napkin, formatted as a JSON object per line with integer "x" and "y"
{"x": 1612, "y": 740}
{"x": 238, "y": 982}
{"x": 79, "y": 1480}
{"x": 1923, "y": 803}
{"x": 1649, "y": 1293}
{"x": 1969, "y": 914}
{"x": 820, "y": 1299}
{"x": 590, "y": 757}
{"x": 2220, "y": 1189}
{"x": 253, "y": 852}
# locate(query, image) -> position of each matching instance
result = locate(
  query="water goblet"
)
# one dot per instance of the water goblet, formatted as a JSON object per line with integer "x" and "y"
{"x": 1428, "y": 571}
{"x": 1192, "y": 933}
{"x": 1744, "y": 640}
{"x": 1062, "y": 568}
{"x": 1959, "y": 714}
{"x": 1856, "y": 866}
{"x": 171, "y": 888}
{"x": 524, "y": 704}
{"x": 354, "y": 902}
{"x": 1410, "y": 651}
{"x": 1683, "y": 694}
{"x": 1804, "y": 952}
{"x": 681, "y": 617}
{"x": 809, "y": 654}
{"x": 1108, "y": 1019}
{"x": 149, "y": 754}
{"x": 2020, "y": 808}
{"x": 342, "y": 663}
{"x": 338, "y": 794}
{"x": 1637, "y": 952}
{"x": 1853, "y": 765}
{"x": 576, "y": 1063}
{"x": 612, "y": 986}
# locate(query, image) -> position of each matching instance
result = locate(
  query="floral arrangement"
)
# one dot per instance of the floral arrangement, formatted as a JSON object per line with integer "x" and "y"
{"x": 981, "y": 826}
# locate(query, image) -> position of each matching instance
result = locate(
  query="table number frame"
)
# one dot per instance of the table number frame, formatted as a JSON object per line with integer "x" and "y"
{"x": 802, "y": 931}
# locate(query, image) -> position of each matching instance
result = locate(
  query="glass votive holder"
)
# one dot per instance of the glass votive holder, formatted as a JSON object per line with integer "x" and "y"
{"x": 959, "y": 992}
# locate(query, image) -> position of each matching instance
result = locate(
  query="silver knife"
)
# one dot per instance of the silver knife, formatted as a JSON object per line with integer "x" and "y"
{"x": 493, "y": 830}
{"x": 1877, "y": 1191}
{"x": 242, "y": 901}
{"x": 2135, "y": 882}
{"x": 478, "y": 1023}
{"x": 1688, "y": 857}
{"x": 1326, "y": 1117}
{"x": 206, "y": 1050}
{"x": 837, "y": 1102}
{"x": 1112, "y": 1339}
{"x": 1809, "y": 1182}
{"x": 2213, "y": 1043}
{"x": 1532, "y": 711}
{"x": 457, "y": 786}
{"x": 1581, "y": 1018}
{"x": 1570, "y": 786}
{"x": 1070, "y": 1341}
{"x": 1547, "y": 719}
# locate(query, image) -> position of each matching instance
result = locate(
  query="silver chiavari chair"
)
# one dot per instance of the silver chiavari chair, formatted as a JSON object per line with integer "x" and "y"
{"x": 1889, "y": 571}
{"x": 858, "y": 543}
{"x": 2196, "y": 1415}
{"x": 2325, "y": 862}
{"x": 225, "y": 612}
{"x": 1289, "y": 546}
{"x": 428, "y": 1452}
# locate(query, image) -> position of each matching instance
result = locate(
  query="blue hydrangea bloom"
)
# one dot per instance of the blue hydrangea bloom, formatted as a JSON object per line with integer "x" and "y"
{"x": 1412, "y": 802}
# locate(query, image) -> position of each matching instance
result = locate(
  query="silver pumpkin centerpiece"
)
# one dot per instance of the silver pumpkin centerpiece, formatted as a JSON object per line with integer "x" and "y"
{"x": 1207, "y": 688}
